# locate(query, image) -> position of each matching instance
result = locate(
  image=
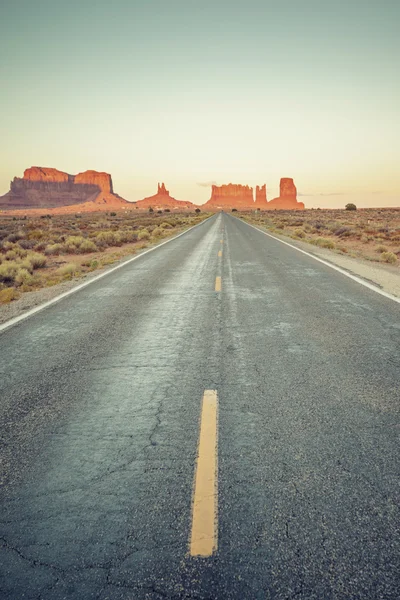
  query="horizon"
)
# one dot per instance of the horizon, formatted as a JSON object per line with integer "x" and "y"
{"x": 192, "y": 95}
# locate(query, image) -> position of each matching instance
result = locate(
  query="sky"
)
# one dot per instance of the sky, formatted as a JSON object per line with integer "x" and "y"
{"x": 195, "y": 92}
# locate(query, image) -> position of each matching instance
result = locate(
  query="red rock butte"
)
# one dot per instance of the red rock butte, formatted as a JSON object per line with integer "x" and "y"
{"x": 241, "y": 197}
{"x": 163, "y": 200}
{"x": 43, "y": 187}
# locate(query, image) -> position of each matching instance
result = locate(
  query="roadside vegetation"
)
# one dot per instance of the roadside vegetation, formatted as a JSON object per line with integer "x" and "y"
{"x": 38, "y": 252}
{"x": 371, "y": 234}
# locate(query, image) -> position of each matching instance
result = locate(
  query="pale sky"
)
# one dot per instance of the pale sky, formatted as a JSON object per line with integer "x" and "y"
{"x": 192, "y": 92}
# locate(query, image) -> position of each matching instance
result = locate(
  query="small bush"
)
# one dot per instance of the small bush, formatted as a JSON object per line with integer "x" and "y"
{"x": 389, "y": 257}
{"x": 299, "y": 233}
{"x": 379, "y": 249}
{"x": 54, "y": 249}
{"x": 324, "y": 243}
{"x": 113, "y": 214}
{"x": 8, "y": 295}
{"x": 24, "y": 277}
{"x": 37, "y": 260}
{"x": 68, "y": 270}
{"x": 350, "y": 206}
{"x": 197, "y": 210}
{"x": 157, "y": 232}
{"x": 87, "y": 246}
{"x": 143, "y": 234}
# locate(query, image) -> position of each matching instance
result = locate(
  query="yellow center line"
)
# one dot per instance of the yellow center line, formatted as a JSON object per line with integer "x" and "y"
{"x": 222, "y": 241}
{"x": 204, "y": 532}
{"x": 218, "y": 284}
{"x": 220, "y": 253}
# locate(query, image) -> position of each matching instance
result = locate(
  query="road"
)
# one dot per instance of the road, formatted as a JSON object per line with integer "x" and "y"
{"x": 224, "y": 373}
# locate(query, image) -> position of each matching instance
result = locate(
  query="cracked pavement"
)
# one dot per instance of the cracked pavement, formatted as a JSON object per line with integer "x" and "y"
{"x": 99, "y": 413}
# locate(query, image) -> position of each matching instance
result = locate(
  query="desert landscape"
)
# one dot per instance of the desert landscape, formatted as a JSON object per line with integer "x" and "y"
{"x": 370, "y": 234}
{"x": 41, "y": 252}
{"x": 55, "y": 226}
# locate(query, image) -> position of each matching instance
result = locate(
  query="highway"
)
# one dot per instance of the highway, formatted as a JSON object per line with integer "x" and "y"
{"x": 218, "y": 419}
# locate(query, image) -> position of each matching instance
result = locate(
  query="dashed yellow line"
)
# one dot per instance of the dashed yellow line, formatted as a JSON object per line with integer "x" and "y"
{"x": 222, "y": 241}
{"x": 220, "y": 253}
{"x": 204, "y": 531}
{"x": 218, "y": 284}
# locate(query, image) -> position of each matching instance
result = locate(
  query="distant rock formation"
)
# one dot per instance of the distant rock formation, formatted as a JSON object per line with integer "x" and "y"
{"x": 163, "y": 200}
{"x": 230, "y": 196}
{"x": 240, "y": 197}
{"x": 162, "y": 191}
{"x": 287, "y": 199}
{"x": 261, "y": 197}
{"x": 43, "y": 187}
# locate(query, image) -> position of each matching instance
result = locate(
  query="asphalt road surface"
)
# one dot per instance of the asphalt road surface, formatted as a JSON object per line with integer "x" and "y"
{"x": 288, "y": 368}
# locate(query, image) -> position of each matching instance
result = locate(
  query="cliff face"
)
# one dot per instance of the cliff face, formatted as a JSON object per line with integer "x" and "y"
{"x": 49, "y": 188}
{"x": 102, "y": 180}
{"x": 230, "y": 196}
{"x": 162, "y": 200}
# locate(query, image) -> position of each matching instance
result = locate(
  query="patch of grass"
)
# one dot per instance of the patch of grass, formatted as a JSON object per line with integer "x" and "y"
{"x": 69, "y": 270}
{"x": 8, "y": 295}
{"x": 143, "y": 234}
{"x": 389, "y": 257}
{"x": 324, "y": 243}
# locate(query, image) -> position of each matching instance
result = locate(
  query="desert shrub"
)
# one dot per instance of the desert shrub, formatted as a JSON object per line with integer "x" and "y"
{"x": 54, "y": 249}
{"x": 197, "y": 210}
{"x": 14, "y": 237}
{"x": 106, "y": 237}
{"x": 36, "y": 234}
{"x": 37, "y": 260}
{"x": 113, "y": 214}
{"x": 8, "y": 271}
{"x": 166, "y": 225}
{"x": 74, "y": 241}
{"x": 11, "y": 255}
{"x": 87, "y": 246}
{"x": 26, "y": 244}
{"x": 342, "y": 249}
{"x": 167, "y": 210}
{"x": 6, "y": 245}
{"x": 350, "y": 206}
{"x": 388, "y": 257}
{"x": 381, "y": 249}
{"x": 23, "y": 276}
{"x": 8, "y": 295}
{"x": 68, "y": 270}
{"x": 143, "y": 234}
{"x": 157, "y": 231}
{"x": 324, "y": 243}
{"x": 341, "y": 231}
{"x": 299, "y": 233}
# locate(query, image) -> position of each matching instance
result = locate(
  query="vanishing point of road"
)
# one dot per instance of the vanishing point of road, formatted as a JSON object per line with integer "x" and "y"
{"x": 217, "y": 419}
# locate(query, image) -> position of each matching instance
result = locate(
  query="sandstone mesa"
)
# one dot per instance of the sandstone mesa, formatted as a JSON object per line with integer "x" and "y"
{"x": 44, "y": 188}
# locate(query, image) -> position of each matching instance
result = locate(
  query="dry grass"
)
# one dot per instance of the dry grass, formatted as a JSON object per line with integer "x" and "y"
{"x": 37, "y": 252}
{"x": 372, "y": 234}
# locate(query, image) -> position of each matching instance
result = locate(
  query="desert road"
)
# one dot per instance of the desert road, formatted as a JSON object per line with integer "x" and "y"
{"x": 218, "y": 419}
